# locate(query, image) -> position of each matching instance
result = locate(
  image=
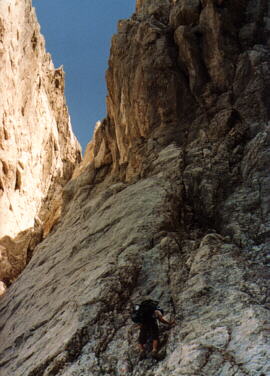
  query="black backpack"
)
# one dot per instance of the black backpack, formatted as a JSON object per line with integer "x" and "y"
{"x": 143, "y": 313}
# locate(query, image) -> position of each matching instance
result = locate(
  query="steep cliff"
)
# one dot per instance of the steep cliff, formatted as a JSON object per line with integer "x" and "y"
{"x": 171, "y": 201}
{"x": 38, "y": 150}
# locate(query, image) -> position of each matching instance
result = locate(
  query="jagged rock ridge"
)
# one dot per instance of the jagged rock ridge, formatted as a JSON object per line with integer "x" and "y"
{"x": 38, "y": 150}
{"x": 172, "y": 201}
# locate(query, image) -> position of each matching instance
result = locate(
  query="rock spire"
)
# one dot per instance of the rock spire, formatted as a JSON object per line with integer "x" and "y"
{"x": 171, "y": 201}
{"x": 38, "y": 150}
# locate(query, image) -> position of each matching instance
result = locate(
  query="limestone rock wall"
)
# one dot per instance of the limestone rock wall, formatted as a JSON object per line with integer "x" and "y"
{"x": 171, "y": 201}
{"x": 38, "y": 150}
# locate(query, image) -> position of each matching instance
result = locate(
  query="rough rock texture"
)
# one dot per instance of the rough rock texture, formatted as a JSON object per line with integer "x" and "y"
{"x": 172, "y": 201}
{"x": 38, "y": 150}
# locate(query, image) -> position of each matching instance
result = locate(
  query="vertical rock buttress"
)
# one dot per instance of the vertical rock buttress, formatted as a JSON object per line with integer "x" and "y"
{"x": 38, "y": 150}
{"x": 171, "y": 201}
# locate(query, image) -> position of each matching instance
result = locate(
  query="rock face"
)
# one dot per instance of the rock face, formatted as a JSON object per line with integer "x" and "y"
{"x": 38, "y": 150}
{"x": 172, "y": 201}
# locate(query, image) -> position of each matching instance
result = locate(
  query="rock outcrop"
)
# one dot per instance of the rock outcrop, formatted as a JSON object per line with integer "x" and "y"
{"x": 38, "y": 150}
{"x": 172, "y": 201}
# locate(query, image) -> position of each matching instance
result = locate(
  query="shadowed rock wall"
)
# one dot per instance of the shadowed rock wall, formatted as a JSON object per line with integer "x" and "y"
{"x": 171, "y": 201}
{"x": 38, "y": 150}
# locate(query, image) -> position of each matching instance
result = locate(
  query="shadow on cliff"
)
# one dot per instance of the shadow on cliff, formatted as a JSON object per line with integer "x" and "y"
{"x": 17, "y": 252}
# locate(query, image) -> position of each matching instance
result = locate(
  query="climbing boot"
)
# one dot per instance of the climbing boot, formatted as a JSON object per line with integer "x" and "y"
{"x": 158, "y": 355}
{"x": 142, "y": 355}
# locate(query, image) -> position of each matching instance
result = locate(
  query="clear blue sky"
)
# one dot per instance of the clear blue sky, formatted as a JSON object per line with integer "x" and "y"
{"x": 78, "y": 35}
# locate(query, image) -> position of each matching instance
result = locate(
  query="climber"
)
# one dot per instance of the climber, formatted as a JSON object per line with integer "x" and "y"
{"x": 146, "y": 316}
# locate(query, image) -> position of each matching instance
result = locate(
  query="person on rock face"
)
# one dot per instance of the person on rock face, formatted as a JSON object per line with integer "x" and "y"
{"x": 148, "y": 314}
